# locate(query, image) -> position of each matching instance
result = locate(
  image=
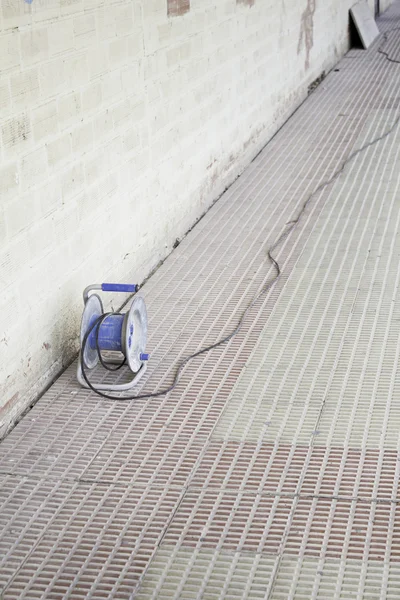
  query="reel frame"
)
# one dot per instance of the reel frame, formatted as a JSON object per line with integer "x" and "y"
{"x": 132, "y": 340}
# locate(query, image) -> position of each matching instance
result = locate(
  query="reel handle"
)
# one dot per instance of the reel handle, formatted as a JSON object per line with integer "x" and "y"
{"x": 119, "y": 287}
{"x": 129, "y": 288}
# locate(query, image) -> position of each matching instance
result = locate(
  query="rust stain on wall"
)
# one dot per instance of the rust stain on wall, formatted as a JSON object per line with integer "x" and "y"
{"x": 178, "y": 7}
{"x": 307, "y": 30}
{"x": 247, "y": 2}
{"x": 7, "y": 407}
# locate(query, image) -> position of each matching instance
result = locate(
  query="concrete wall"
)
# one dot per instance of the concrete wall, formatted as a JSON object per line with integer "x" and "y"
{"x": 120, "y": 122}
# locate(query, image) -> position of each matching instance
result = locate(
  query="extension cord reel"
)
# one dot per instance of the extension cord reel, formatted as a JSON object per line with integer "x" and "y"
{"x": 125, "y": 333}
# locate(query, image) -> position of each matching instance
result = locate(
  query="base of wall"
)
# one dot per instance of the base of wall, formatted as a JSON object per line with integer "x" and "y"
{"x": 17, "y": 407}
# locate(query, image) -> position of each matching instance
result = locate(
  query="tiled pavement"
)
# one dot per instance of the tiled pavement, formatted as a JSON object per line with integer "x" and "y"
{"x": 272, "y": 470}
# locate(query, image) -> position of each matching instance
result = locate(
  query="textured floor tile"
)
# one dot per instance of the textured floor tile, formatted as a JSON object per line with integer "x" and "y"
{"x": 344, "y": 530}
{"x": 185, "y": 574}
{"x": 27, "y": 508}
{"x": 162, "y": 461}
{"x": 303, "y": 470}
{"x": 231, "y": 521}
{"x": 98, "y": 544}
{"x": 189, "y": 574}
{"x": 306, "y": 578}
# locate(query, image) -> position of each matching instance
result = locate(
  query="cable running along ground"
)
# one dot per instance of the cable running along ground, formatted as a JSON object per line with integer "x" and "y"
{"x": 289, "y": 227}
{"x": 385, "y": 41}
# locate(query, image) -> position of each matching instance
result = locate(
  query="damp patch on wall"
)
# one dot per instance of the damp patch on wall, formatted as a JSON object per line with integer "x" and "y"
{"x": 306, "y": 36}
{"x": 177, "y": 8}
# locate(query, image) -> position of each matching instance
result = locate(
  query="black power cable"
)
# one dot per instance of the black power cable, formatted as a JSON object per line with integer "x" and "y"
{"x": 289, "y": 227}
{"x": 385, "y": 40}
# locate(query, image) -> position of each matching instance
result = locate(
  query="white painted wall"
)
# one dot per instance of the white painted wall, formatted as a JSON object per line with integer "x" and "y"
{"x": 118, "y": 128}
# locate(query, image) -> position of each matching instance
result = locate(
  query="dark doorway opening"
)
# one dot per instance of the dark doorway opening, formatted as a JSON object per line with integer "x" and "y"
{"x": 355, "y": 40}
{"x": 377, "y": 8}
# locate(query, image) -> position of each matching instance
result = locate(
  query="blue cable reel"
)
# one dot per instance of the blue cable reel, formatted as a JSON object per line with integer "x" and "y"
{"x": 125, "y": 333}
